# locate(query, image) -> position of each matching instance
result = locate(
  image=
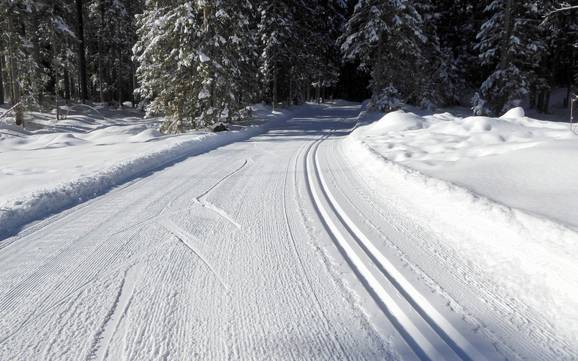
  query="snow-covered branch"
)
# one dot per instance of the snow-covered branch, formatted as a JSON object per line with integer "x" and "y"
{"x": 558, "y": 11}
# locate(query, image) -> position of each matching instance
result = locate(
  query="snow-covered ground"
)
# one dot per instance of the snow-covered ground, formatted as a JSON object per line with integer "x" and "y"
{"x": 300, "y": 243}
{"x": 503, "y": 192}
{"x": 517, "y": 161}
{"x": 57, "y": 164}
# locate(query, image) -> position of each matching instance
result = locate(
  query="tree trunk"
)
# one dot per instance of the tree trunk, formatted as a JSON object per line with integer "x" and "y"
{"x": 81, "y": 52}
{"x": 15, "y": 87}
{"x": 66, "y": 86}
{"x": 275, "y": 91}
{"x": 505, "y": 58}
{"x": 291, "y": 86}
{"x": 133, "y": 76}
{"x": 100, "y": 34}
{"x": 546, "y": 102}
{"x": 34, "y": 36}
{"x": 1, "y": 77}
{"x": 119, "y": 75}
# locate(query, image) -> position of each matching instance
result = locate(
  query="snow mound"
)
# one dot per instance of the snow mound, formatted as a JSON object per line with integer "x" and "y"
{"x": 514, "y": 113}
{"x": 396, "y": 122}
{"x": 145, "y": 136}
{"x": 437, "y": 139}
{"x": 65, "y": 140}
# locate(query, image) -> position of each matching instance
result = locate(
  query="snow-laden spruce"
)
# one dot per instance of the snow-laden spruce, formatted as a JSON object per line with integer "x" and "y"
{"x": 192, "y": 60}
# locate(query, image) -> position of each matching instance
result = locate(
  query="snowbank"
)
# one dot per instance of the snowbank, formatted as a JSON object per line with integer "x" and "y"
{"x": 69, "y": 162}
{"x": 469, "y": 178}
{"x": 520, "y": 162}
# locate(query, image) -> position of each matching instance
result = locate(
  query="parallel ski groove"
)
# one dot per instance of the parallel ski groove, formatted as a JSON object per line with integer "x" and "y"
{"x": 426, "y": 310}
{"x": 417, "y": 341}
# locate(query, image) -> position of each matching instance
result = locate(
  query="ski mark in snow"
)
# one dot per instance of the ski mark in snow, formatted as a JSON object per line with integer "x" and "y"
{"x": 208, "y": 205}
{"x": 222, "y": 180}
{"x": 221, "y": 212}
{"x": 185, "y": 238}
{"x": 118, "y": 311}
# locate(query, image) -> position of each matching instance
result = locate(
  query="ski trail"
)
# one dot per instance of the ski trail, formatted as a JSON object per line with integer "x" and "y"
{"x": 435, "y": 319}
{"x": 117, "y": 312}
{"x": 326, "y": 322}
{"x": 185, "y": 238}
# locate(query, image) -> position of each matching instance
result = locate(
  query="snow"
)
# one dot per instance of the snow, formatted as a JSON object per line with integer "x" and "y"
{"x": 70, "y": 161}
{"x": 299, "y": 243}
{"x": 514, "y": 160}
{"x": 500, "y": 190}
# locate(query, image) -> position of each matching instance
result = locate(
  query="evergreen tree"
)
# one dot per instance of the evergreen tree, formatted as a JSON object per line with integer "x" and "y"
{"x": 511, "y": 44}
{"x": 387, "y": 38}
{"x": 188, "y": 60}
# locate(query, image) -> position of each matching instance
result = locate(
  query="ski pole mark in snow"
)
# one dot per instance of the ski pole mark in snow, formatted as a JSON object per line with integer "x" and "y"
{"x": 185, "y": 238}
{"x": 118, "y": 311}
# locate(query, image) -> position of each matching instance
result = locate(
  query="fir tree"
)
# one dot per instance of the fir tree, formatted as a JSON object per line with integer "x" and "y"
{"x": 510, "y": 43}
{"x": 188, "y": 61}
{"x": 387, "y": 38}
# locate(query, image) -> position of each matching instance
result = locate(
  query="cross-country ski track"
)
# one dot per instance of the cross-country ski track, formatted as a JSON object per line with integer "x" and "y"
{"x": 274, "y": 248}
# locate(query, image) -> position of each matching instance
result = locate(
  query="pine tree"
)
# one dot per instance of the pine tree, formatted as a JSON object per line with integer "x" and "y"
{"x": 387, "y": 38}
{"x": 188, "y": 60}
{"x": 279, "y": 42}
{"x": 510, "y": 43}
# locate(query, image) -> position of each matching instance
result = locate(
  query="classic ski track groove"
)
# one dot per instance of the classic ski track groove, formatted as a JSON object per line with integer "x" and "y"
{"x": 443, "y": 328}
{"x": 510, "y": 307}
{"x": 326, "y": 322}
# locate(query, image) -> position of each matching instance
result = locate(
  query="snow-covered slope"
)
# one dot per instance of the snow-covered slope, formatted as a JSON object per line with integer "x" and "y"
{"x": 67, "y": 162}
{"x": 500, "y": 190}
{"x": 517, "y": 161}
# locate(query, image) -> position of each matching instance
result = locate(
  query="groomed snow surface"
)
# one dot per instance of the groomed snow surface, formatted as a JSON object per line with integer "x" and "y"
{"x": 66, "y": 162}
{"x": 325, "y": 233}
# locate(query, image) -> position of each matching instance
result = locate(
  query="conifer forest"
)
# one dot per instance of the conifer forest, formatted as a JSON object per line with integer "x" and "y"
{"x": 202, "y": 61}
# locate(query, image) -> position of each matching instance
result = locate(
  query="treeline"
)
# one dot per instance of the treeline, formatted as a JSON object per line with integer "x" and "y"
{"x": 491, "y": 54}
{"x": 203, "y": 61}
{"x": 54, "y": 51}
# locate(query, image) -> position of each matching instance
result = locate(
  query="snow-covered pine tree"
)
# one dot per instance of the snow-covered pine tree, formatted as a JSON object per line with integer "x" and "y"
{"x": 23, "y": 24}
{"x": 387, "y": 38}
{"x": 560, "y": 67}
{"x": 510, "y": 43}
{"x": 457, "y": 23}
{"x": 324, "y": 21}
{"x": 112, "y": 30}
{"x": 441, "y": 83}
{"x": 187, "y": 55}
{"x": 280, "y": 44}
